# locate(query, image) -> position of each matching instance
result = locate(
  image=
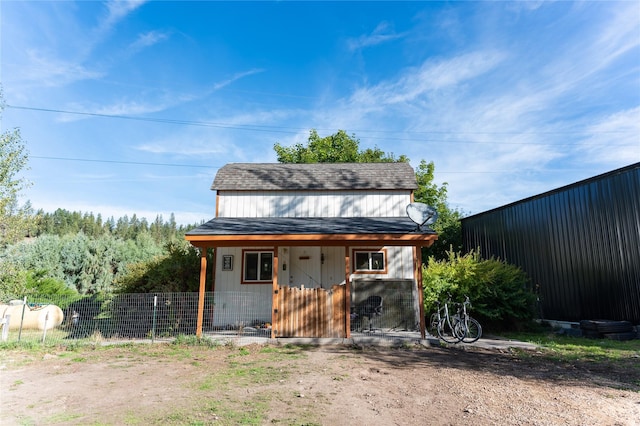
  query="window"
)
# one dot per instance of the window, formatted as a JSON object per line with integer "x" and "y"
{"x": 257, "y": 267}
{"x": 370, "y": 261}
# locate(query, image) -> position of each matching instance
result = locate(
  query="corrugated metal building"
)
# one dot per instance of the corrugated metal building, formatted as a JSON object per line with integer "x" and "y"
{"x": 579, "y": 243}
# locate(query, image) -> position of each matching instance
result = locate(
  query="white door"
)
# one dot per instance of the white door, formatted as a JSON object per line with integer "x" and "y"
{"x": 305, "y": 264}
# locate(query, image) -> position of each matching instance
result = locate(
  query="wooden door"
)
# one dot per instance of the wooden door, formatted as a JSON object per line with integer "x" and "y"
{"x": 311, "y": 312}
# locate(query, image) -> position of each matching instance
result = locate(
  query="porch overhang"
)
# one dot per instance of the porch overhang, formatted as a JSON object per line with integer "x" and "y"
{"x": 234, "y": 232}
{"x": 277, "y": 232}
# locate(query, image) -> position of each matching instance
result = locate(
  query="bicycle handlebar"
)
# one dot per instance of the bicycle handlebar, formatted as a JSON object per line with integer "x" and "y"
{"x": 467, "y": 301}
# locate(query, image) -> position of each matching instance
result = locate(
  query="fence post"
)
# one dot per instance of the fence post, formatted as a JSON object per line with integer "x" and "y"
{"x": 153, "y": 329}
{"x": 5, "y": 327}
{"x": 24, "y": 305}
{"x": 46, "y": 320}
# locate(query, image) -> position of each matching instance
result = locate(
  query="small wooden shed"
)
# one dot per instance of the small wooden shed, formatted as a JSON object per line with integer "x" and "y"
{"x": 299, "y": 234}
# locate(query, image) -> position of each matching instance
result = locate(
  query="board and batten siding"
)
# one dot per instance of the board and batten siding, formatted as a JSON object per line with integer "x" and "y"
{"x": 247, "y": 302}
{"x": 313, "y": 204}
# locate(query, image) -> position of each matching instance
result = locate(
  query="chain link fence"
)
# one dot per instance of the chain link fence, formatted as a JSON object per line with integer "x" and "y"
{"x": 228, "y": 316}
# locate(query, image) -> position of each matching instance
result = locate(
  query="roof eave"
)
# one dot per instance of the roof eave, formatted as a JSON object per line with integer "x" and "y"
{"x": 410, "y": 239}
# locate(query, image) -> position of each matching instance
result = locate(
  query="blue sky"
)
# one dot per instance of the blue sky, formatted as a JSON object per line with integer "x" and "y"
{"x": 131, "y": 107}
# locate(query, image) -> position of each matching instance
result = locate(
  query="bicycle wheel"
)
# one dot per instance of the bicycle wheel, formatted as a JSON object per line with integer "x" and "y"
{"x": 447, "y": 332}
{"x": 473, "y": 330}
{"x": 433, "y": 325}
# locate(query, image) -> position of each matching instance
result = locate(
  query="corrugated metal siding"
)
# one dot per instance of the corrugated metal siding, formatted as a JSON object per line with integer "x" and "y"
{"x": 579, "y": 243}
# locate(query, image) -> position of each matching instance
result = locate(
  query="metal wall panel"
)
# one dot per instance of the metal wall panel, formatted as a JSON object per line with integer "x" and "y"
{"x": 580, "y": 244}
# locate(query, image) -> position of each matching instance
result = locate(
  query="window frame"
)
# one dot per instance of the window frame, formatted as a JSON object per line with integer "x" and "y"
{"x": 370, "y": 252}
{"x": 260, "y": 252}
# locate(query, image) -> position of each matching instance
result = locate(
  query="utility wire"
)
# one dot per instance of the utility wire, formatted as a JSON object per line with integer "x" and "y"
{"x": 294, "y": 130}
{"x": 159, "y": 120}
{"x": 138, "y": 163}
{"x": 142, "y": 163}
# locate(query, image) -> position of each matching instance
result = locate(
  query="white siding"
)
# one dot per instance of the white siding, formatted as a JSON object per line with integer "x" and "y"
{"x": 310, "y": 272}
{"x": 399, "y": 263}
{"x": 235, "y": 302}
{"x": 313, "y": 204}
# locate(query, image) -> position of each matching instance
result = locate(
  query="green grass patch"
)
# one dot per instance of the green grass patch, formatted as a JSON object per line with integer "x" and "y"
{"x": 64, "y": 418}
{"x": 570, "y": 348}
{"x": 248, "y": 412}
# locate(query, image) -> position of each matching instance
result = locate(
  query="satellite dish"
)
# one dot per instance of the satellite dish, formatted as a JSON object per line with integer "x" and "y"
{"x": 421, "y": 214}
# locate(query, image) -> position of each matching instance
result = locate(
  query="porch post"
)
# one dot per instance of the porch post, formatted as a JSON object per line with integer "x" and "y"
{"x": 417, "y": 255}
{"x": 347, "y": 293}
{"x": 201, "y": 292}
{"x": 274, "y": 294}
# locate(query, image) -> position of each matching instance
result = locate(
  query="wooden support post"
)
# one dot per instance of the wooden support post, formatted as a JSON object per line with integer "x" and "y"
{"x": 347, "y": 293}
{"x": 274, "y": 295}
{"x": 417, "y": 256}
{"x": 202, "y": 290}
{"x": 212, "y": 308}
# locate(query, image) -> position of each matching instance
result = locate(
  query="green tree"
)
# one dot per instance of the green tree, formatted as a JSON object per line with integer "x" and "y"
{"x": 337, "y": 148}
{"x": 86, "y": 264}
{"x": 448, "y": 225}
{"x": 342, "y": 148}
{"x": 15, "y": 219}
{"x": 175, "y": 271}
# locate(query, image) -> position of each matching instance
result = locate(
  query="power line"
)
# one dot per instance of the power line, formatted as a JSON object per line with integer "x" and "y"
{"x": 142, "y": 163}
{"x": 137, "y": 163}
{"x": 159, "y": 120}
{"x": 294, "y": 130}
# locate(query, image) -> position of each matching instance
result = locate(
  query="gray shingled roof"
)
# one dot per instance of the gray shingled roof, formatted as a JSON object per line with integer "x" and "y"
{"x": 308, "y": 225}
{"x": 316, "y": 176}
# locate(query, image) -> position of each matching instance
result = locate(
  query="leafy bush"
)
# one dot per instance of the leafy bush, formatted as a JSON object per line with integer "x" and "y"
{"x": 16, "y": 283}
{"x": 88, "y": 265}
{"x": 500, "y": 293}
{"x": 176, "y": 271}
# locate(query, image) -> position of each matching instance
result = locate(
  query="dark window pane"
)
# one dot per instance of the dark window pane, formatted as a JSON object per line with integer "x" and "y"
{"x": 362, "y": 260}
{"x": 377, "y": 261}
{"x": 251, "y": 266}
{"x": 266, "y": 266}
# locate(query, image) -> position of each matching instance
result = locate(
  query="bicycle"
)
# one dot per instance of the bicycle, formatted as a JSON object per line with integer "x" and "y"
{"x": 466, "y": 328}
{"x": 440, "y": 323}
{"x": 459, "y": 327}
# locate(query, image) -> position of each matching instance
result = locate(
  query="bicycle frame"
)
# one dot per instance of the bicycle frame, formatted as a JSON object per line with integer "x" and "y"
{"x": 457, "y": 327}
{"x": 441, "y": 322}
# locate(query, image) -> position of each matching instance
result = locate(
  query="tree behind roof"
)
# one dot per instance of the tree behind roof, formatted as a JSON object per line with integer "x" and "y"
{"x": 342, "y": 148}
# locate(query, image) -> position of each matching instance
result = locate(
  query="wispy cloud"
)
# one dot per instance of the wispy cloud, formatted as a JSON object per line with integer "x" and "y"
{"x": 188, "y": 146}
{"x": 507, "y": 99}
{"x": 148, "y": 39}
{"x": 381, "y": 34}
{"x": 525, "y": 104}
{"x": 614, "y": 139}
{"x": 421, "y": 83}
{"x": 63, "y": 55}
{"x": 118, "y": 10}
{"x": 121, "y": 108}
{"x": 234, "y": 78}
{"x": 49, "y": 71}
{"x": 154, "y": 100}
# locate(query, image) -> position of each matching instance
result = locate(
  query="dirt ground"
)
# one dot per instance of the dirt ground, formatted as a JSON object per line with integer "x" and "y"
{"x": 330, "y": 385}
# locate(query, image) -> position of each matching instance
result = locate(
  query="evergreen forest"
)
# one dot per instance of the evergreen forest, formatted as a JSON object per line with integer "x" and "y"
{"x": 80, "y": 253}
